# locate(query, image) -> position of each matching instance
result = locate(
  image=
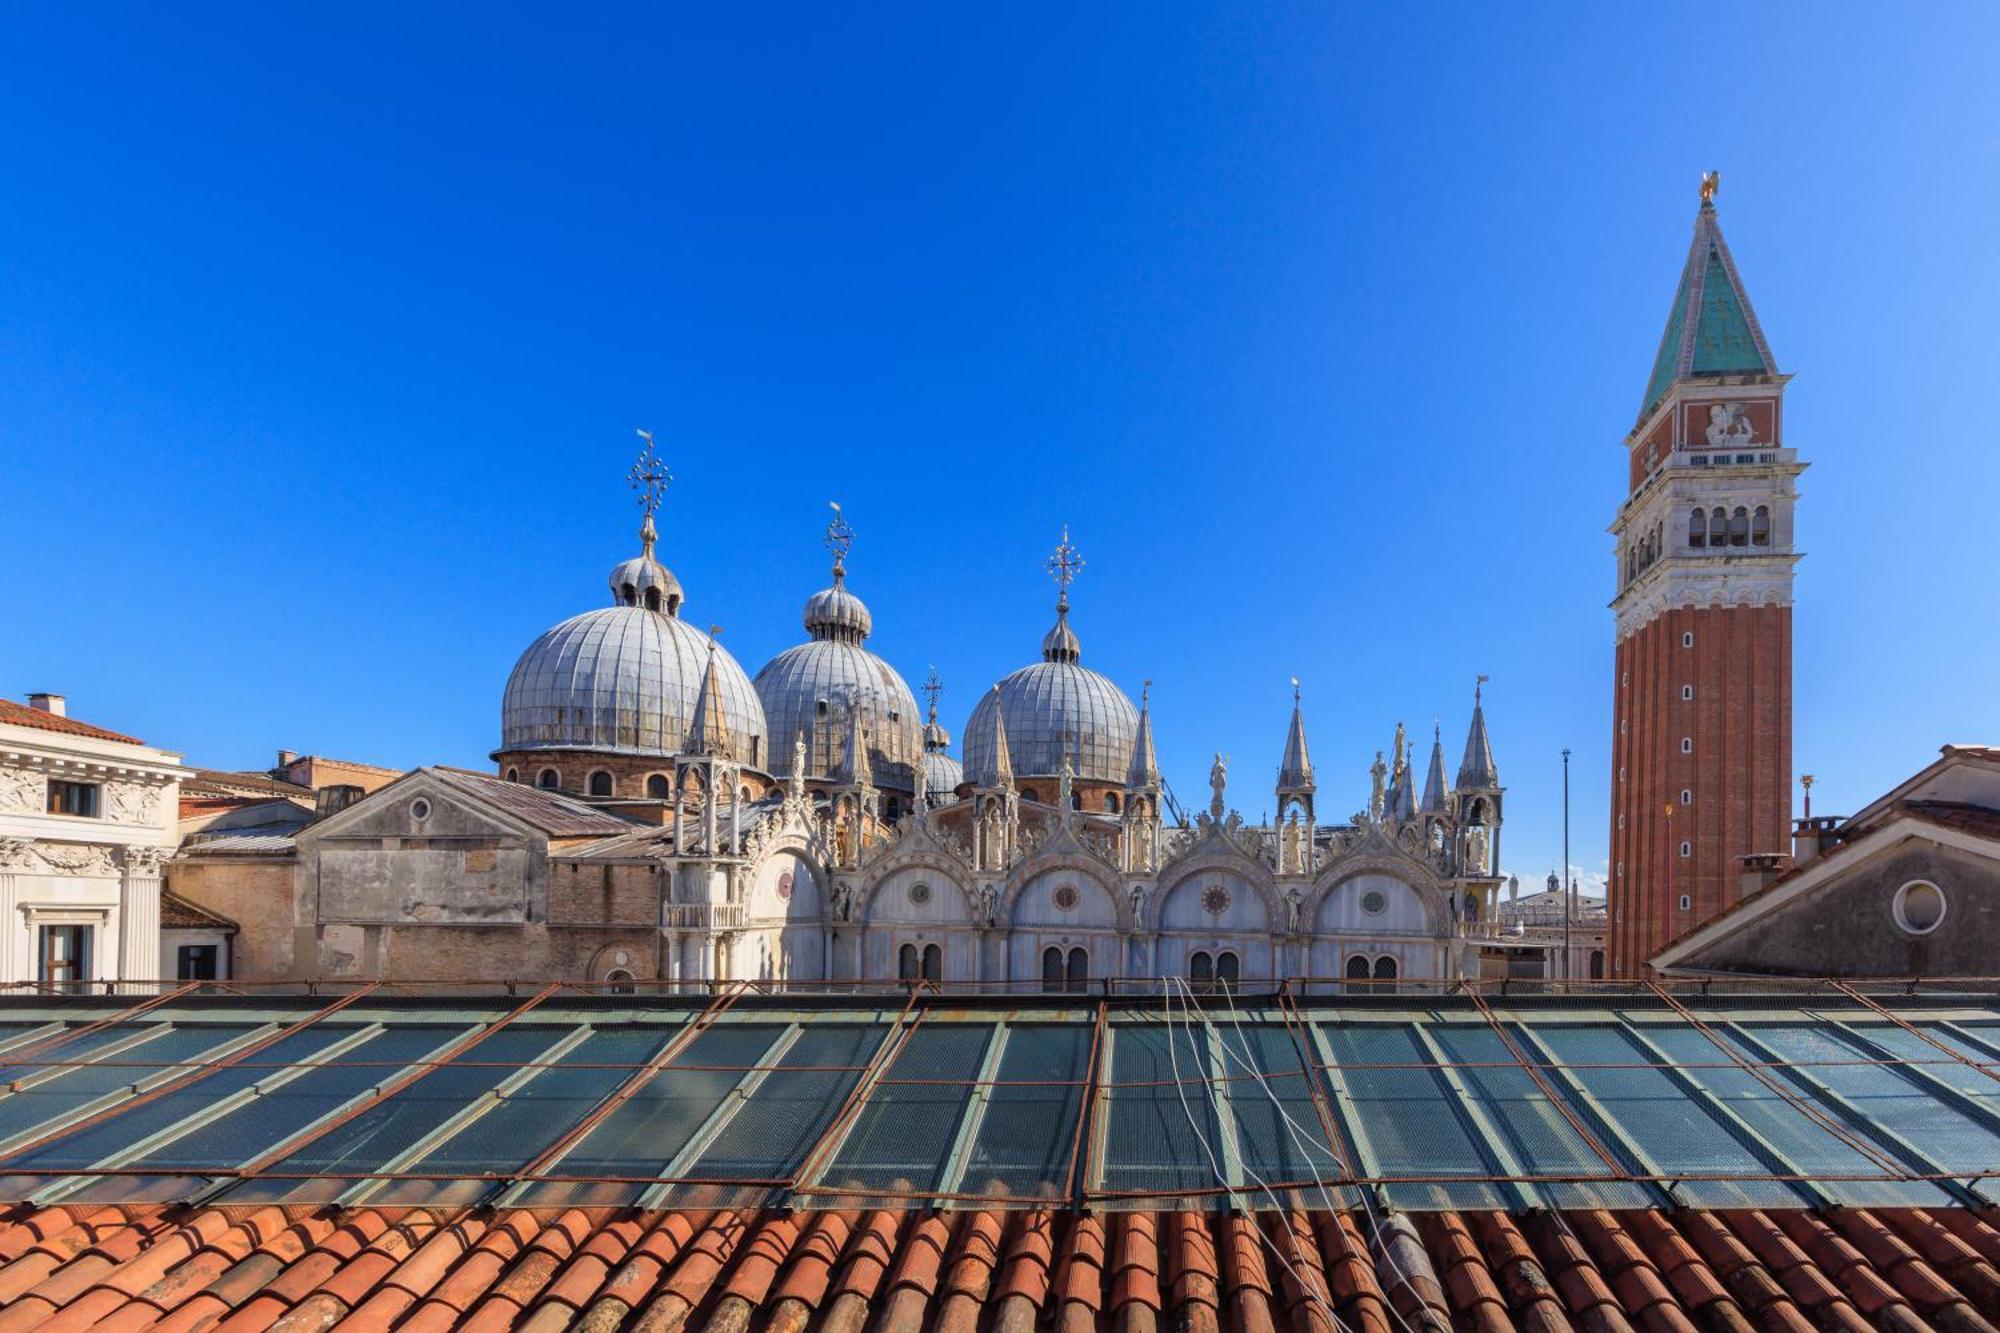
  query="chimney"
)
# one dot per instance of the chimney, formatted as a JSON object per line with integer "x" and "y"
{"x": 285, "y": 757}
{"x": 53, "y": 704}
{"x": 1813, "y": 836}
{"x": 331, "y": 800}
{"x": 1759, "y": 869}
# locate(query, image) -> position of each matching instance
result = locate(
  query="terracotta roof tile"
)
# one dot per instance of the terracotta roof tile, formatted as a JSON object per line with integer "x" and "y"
{"x": 21, "y": 715}
{"x": 619, "y": 1270}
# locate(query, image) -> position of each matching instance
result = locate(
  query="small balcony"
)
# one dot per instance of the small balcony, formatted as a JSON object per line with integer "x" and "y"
{"x": 702, "y": 916}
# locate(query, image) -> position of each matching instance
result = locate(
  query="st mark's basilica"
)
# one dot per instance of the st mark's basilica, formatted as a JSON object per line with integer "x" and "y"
{"x": 812, "y": 824}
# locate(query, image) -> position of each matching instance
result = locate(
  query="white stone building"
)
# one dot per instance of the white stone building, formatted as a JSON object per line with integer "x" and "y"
{"x": 87, "y": 817}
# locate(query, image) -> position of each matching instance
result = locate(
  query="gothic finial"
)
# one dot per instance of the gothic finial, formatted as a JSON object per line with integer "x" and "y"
{"x": 1476, "y": 688}
{"x": 1295, "y": 690}
{"x": 1711, "y": 181}
{"x": 649, "y": 477}
{"x": 1064, "y": 564}
{"x": 1145, "y": 692}
{"x": 839, "y": 540}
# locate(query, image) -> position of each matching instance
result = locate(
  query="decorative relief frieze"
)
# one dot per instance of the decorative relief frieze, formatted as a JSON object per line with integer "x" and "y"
{"x": 132, "y": 802}
{"x": 22, "y": 854}
{"x": 24, "y": 790}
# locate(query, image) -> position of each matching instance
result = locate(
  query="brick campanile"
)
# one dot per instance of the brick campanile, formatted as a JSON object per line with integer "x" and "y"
{"x": 1701, "y": 756}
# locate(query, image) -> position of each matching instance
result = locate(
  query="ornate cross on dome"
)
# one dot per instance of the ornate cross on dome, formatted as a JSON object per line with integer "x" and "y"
{"x": 933, "y": 687}
{"x": 1064, "y": 564}
{"x": 839, "y": 539}
{"x": 649, "y": 477}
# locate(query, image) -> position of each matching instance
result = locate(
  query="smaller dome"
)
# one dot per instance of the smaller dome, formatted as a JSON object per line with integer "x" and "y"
{"x": 837, "y": 614}
{"x": 935, "y": 736}
{"x": 942, "y": 774}
{"x": 1061, "y": 644}
{"x": 643, "y": 581}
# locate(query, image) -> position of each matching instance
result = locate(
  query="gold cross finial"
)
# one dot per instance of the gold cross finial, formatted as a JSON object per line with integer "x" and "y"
{"x": 839, "y": 539}
{"x": 1063, "y": 566}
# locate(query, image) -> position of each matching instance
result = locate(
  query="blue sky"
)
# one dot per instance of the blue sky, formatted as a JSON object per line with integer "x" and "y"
{"x": 324, "y": 333}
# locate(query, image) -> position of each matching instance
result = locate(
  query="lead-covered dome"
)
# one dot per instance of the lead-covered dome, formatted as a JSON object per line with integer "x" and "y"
{"x": 821, "y": 687}
{"x": 626, "y": 679}
{"x": 1054, "y": 709}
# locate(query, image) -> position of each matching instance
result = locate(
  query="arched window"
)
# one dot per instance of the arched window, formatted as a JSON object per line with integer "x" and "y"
{"x": 628, "y": 594}
{"x": 1597, "y": 964}
{"x": 1201, "y": 970}
{"x": 1385, "y": 968}
{"x": 548, "y": 779}
{"x": 892, "y": 810}
{"x": 906, "y": 964}
{"x": 1739, "y": 527}
{"x": 1760, "y": 526}
{"x": 1357, "y": 969}
{"x": 652, "y": 599}
{"x": 1111, "y": 802}
{"x": 1227, "y": 969}
{"x": 933, "y": 962}
{"x": 1718, "y": 526}
{"x": 600, "y": 783}
{"x": 1028, "y": 794}
{"x": 513, "y": 775}
{"x": 656, "y": 787}
{"x": 1076, "y": 800}
{"x": 620, "y": 981}
{"x": 1079, "y": 970}
{"x": 1698, "y": 528}
{"x": 1052, "y": 970}
{"x": 743, "y": 795}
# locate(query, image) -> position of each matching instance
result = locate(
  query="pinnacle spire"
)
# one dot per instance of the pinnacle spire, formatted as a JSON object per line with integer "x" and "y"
{"x": 1061, "y": 644}
{"x": 1144, "y": 771}
{"x": 855, "y": 770}
{"x": 1711, "y": 328}
{"x": 1295, "y": 773}
{"x": 1000, "y": 772}
{"x": 1434, "y": 788}
{"x": 1476, "y": 769}
{"x": 710, "y": 733}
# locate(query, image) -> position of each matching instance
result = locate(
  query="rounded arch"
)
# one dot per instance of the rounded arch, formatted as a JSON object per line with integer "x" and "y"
{"x": 549, "y": 779}
{"x": 601, "y": 782}
{"x": 885, "y": 896}
{"x": 1394, "y": 865}
{"x": 658, "y": 787}
{"x": 1029, "y": 898}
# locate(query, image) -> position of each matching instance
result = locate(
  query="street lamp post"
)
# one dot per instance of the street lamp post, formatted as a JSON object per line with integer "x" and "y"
{"x": 1569, "y": 893}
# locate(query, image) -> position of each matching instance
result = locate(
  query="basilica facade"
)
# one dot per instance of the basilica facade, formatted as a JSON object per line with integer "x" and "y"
{"x": 807, "y": 824}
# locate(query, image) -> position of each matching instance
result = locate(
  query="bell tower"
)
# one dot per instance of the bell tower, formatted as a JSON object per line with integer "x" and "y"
{"x": 1702, "y": 692}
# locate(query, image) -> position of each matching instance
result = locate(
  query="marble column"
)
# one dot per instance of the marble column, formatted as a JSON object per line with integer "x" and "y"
{"x": 139, "y": 915}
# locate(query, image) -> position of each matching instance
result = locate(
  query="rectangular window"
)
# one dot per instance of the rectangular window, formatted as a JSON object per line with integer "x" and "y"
{"x": 1687, "y": 639}
{"x": 1687, "y": 693}
{"x": 1687, "y": 796}
{"x": 197, "y": 962}
{"x": 63, "y": 956}
{"x": 1687, "y": 849}
{"x": 1687, "y": 903}
{"x": 73, "y": 798}
{"x": 1687, "y": 745}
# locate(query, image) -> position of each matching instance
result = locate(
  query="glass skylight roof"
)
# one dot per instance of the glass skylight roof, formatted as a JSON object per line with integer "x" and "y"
{"x": 1442, "y": 1101}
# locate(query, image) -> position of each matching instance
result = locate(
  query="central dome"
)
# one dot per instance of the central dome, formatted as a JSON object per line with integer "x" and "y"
{"x": 822, "y": 687}
{"x": 1054, "y": 709}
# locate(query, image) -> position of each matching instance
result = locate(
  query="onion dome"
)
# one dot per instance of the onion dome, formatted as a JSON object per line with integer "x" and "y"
{"x": 942, "y": 772}
{"x": 1057, "y": 708}
{"x": 628, "y": 678}
{"x": 823, "y": 686}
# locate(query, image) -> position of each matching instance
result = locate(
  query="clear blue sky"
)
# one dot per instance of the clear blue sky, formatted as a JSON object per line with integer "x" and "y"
{"x": 324, "y": 332}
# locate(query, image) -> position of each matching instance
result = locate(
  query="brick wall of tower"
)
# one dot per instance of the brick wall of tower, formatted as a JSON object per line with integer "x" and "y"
{"x": 1738, "y": 769}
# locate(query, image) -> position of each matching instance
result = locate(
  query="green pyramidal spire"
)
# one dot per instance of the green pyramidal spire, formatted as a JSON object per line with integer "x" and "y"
{"x": 1712, "y": 329}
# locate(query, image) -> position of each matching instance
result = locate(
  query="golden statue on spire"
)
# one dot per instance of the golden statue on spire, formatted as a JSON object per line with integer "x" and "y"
{"x": 1711, "y": 181}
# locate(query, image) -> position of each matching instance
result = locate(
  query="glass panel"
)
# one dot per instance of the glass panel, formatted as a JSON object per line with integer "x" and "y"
{"x": 1160, "y": 1132}
{"x": 1804, "y": 1144}
{"x": 649, "y": 1128}
{"x": 1406, "y": 1119}
{"x": 52, "y": 1053}
{"x": 1278, "y": 1126}
{"x": 903, "y": 1137}
{"x": 1530, "y": 1125}
{"x": 33, "y": 1107}
{"x": 525, "y": 1122}
{"x": 390, "y": 1127}
{"x": 783, "y": 1119}
{"x": 1887, "y": 1096}
{"x": 1679, "y": 1131}
{"x": 1022, "y": 1147}
{"x": 119, "y": 1133}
